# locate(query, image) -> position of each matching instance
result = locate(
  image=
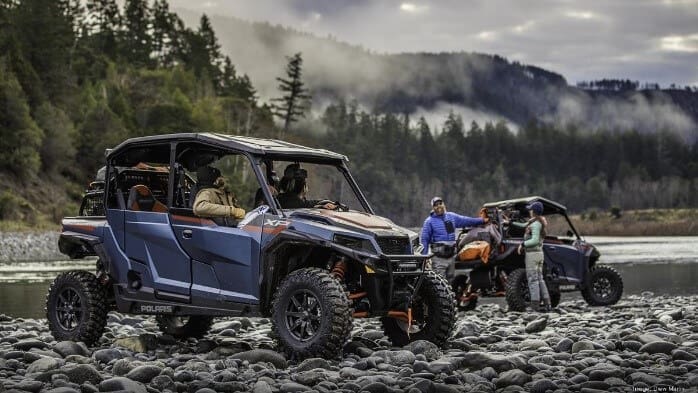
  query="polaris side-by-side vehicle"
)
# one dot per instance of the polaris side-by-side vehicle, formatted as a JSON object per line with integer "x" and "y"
{"x": 570, "y": 263}
{"x": 311, "y": 270}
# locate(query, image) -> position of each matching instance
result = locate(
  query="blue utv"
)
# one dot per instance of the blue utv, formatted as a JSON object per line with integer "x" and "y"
{"x": 310, "y": 270}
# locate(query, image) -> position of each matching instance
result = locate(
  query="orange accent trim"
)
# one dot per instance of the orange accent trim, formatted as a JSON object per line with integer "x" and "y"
{"x": 194, "y": 220}
{"x": 357, "y": 295}
{"x": 87, "y": 228}
{"x": 269, "y": 230}
{"x": 360, "y": 314}
{"x": 401, "y": 315}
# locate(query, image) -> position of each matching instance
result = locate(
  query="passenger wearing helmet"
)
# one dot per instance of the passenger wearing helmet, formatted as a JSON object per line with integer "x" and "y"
{"x": 294, "y": 186}
{"x": 533, "y": 245}
{"x": 214, "y": 200}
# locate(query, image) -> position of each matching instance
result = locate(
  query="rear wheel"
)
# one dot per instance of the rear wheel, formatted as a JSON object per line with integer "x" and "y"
{"x": 605, "y": 286}
{"x": 433, "y": 313}
{"x": 517, "y": 290}
{"x": 185, "y": 326}
{"x": 76, "y": 307}
{"x": 311, "y": 314}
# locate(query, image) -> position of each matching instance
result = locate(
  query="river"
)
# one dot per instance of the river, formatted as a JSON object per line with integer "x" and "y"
{"x": 662, "y": 265}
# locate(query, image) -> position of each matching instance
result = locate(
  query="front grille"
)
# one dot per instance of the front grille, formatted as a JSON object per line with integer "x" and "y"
{"x": 394, "y": 245}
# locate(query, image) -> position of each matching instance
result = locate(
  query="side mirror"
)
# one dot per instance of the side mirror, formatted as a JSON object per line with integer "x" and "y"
{"x": 570, "y": 233}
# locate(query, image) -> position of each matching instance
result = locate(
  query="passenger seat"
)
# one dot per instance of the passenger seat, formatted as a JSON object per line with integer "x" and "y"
{"x": 140, "y": 198}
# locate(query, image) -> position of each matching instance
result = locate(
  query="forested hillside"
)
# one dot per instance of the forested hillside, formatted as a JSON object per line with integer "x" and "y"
{"x": 79, "y": 77}
{"x": 481, "y": 86}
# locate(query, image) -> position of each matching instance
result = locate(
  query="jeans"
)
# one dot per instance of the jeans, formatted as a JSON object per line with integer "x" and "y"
{"x": 444, "y": 267}
{"x": 534, "y": 273}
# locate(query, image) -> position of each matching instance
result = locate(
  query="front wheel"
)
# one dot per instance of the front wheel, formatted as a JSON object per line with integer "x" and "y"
{"x": 433, "y": 313}
{"x": 76, "y": 307}
{"x": 184, "y": 327}
{"x": 605, "y": 286}
{"x": 312, "y": 315}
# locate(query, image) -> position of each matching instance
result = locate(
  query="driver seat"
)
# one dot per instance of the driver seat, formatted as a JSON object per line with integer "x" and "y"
{"x": 140, "y": 198}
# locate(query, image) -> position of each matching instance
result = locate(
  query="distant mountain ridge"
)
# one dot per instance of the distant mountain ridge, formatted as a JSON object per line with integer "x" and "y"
{"x": 420, "y": 82}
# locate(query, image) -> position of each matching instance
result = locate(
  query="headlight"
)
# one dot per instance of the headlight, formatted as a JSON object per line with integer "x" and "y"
{"x": 355, "y": 243}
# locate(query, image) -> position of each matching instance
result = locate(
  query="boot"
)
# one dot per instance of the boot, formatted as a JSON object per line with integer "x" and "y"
{"x": 547, "y": 307}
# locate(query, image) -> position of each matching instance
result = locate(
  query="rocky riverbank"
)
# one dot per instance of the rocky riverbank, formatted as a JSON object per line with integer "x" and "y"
{"x": 640, "y": 344}
{"x": 29, "y": 246}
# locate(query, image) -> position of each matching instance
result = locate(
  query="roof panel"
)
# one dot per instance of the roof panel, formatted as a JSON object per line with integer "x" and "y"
{"x": 258, "y": 146}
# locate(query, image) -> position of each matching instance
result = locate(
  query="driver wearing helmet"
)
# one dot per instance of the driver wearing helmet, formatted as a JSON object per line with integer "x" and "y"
{"x": 294, "y": 187}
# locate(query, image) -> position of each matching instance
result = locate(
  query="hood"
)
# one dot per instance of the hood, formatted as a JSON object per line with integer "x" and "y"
{"x": 353, "y": 220}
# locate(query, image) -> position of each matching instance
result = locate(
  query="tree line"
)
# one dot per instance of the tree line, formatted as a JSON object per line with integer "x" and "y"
{"x": 402, "y": 163}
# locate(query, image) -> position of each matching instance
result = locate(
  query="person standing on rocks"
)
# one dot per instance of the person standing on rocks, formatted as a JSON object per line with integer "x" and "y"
{"x": 533, "y": 247}
{"x": 441, "y": 226}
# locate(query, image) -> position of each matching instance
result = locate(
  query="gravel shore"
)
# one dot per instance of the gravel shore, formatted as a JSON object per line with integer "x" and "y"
{"x": 644, "y": 343}
{"x": 29, "y": 246}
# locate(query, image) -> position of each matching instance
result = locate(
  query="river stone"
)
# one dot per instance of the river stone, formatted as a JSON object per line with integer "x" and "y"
{"x": 29, "y": 386}
{"x": 122, "y": 384}
{"x": 83, "y": 373}
{"x": 262, "y": 355}
{"x": 289, "y": 387}
{"x": 67, "y": 348}
{"x": 645, "y": 378}
{"x": 537, "y": 325}
{"x": 313, "y": 363}
{"x": 107, "y": 355}
{"x": 162, "y": 382}
{"x": 679, "y": 354}
{"x": 582, "y": 345}
{"x": 658, "y": 347}
{"x": 27, "y": 344}
{"x": 512, "y": 377}
{"x": 261, "y": 387}
{"x": 543, "y": 386}
{"x": 564, "y": 345}
{"x": 648, "y": 338}
{"x": 396, "y": 358}
{"x": 479, "y": 360}
{"x": 43, "y": 365}
{"x": 310, "y": 378}
{"x": 430, "y": 350}
{"x": 144, "y": 373}
{"x": 528, "y": 345}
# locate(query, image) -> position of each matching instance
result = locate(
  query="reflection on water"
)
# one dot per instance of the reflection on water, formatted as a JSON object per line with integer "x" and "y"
{"x": 663, "y": 265}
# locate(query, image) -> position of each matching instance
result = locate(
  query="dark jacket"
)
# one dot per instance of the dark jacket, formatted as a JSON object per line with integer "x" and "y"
{"x": 435, "y": 228}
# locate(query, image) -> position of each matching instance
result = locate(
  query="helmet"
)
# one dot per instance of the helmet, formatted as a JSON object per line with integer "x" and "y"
{"x": 537, "y": 207}
{"x": 207, "y": 175}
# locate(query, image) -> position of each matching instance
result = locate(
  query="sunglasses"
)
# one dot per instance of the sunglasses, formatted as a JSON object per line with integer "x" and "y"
{"x": 438, "y": 203}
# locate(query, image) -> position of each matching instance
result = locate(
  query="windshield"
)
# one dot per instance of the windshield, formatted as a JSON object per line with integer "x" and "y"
{"x": 306, "y": 185}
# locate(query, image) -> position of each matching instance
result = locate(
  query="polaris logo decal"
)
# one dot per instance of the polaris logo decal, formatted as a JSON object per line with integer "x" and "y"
{"x": 156, "y": 309}
{"x": 276, "y": 223}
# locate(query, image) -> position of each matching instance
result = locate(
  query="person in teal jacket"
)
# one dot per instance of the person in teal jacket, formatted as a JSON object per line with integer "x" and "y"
{"x": 533, "y": 246}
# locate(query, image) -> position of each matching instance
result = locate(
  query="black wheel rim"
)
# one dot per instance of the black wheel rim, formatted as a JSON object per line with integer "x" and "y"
{"x": 69, "y": 309}
{"x": 602, "y": 287}
{"x": 303, "y": 315}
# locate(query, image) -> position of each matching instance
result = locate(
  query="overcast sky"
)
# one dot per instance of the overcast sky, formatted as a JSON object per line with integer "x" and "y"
{"x": 646, "y": 40}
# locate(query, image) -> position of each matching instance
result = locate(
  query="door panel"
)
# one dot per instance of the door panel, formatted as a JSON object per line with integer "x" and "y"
{"x": 226, "y": 261}
{"x": 149, "y": 239}
{"x": 566, "y": 260}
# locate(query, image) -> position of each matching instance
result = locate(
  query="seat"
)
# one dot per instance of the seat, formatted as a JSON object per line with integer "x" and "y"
{"x": 140, "y": 198}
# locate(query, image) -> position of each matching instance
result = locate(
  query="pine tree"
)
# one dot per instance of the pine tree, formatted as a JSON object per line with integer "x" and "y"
{"x": 296, "y": 100}
{"x": 213, "y": 50}
{"x": 137, "y": 43}
{"x": 233, "y": 85}
{"x": 105, "y": 23}
{"x": 164, "y": 33}
{"x": 20, "y": 138}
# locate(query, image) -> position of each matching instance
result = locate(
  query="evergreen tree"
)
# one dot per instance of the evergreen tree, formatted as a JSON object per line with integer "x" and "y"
{"x": 137, "y": 43}
{"x": 214, "y": 58}
{"x": 295, "y": 100}
{"x": 57, "y": 150}
{"x": 20, "y": 138}
{"x": 164, "y": 33}
{"x": 105, "y": 23}
{"x": 234, "y": 86}
{"x": 46, "y": 38}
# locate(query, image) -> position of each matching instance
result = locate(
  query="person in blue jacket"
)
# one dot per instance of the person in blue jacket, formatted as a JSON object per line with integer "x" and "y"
{"x": 441, "y": 226}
